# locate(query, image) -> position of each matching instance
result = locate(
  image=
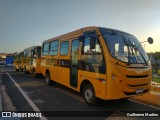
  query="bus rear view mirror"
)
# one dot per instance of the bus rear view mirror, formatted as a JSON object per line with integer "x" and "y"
{"x": 92, "y": 42}
{"x": 150, "y": 40}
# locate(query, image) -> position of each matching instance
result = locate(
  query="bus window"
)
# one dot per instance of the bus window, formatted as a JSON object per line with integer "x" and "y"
{"x": 54, "y": 48}
{"x": 33, "y": 53}
{"x": 25, "y": 53}
{"x": 74, "y": 52}
{"x": 92, "y": 59}
{"x": 64, "y": 48}
{"x": 45, "y": 48}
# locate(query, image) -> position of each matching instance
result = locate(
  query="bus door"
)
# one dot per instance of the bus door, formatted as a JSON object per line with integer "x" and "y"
{"x": 74, "y": 63}
{"x": 64, "y": 63}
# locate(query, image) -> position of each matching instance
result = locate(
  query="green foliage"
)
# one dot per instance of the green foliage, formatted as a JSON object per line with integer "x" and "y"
{"x": 156, "y": 56}
{"x": 156, "y": 79}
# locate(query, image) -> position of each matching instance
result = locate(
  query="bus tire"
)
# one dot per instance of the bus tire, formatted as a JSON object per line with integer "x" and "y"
{"x": 89, "y": 95}
{"x": 48, "y": 80}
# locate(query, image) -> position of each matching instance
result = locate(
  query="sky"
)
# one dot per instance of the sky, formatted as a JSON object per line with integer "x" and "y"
{"x": 24, "y": 23}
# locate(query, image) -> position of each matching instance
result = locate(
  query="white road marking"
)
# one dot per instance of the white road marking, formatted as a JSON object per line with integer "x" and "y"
{"x": 35, "y": 108}
{"x": 144, "y": 104}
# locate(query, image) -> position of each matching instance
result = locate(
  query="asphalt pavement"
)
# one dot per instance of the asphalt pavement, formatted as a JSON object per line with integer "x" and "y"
{"x": 53, "y": 98}
{"x": 2, "y": 69}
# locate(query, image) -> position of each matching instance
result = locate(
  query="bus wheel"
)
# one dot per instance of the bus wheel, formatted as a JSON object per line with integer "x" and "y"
{"x": 48, "y": 80}
{"x": 89, "y": 95}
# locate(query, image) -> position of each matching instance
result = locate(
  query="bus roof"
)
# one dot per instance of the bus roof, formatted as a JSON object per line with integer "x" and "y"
{"x": 79, "y": 31}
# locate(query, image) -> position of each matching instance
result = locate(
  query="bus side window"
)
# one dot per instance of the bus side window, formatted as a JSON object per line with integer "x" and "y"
{"x": 54, "y": 47}
{"x": 92, "y": 57}
{"x": 45, "y": 48}
{"x": 64, "y": 47}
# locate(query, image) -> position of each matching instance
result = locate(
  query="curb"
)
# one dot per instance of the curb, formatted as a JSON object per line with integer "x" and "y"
{"x": 155, "y": 87}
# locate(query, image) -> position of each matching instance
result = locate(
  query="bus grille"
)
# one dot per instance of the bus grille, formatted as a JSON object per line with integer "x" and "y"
{"x": 137, "y": 85}
{"x": 137, "y": 76}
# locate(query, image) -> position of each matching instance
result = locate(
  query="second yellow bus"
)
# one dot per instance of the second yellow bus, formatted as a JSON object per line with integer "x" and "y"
{"x": 32, "y": 56}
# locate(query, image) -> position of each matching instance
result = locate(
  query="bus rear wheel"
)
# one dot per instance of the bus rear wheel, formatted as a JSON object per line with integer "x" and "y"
{"x": 89, "y": 95}
{"x": 48, "y": 80}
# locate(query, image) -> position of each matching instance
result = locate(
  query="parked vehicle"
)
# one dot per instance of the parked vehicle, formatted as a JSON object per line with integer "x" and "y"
{"x": 99, "y": 62}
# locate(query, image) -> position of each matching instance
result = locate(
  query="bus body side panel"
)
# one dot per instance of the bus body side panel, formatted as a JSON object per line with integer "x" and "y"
{"x": 43, "y": 68}
{"x": 52, "y": 65}
{"x": 36, "y": 65}
{"x": 64, "y": 76}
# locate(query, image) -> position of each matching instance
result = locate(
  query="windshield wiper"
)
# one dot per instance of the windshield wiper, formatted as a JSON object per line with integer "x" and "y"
{"x": 135, "y": 48}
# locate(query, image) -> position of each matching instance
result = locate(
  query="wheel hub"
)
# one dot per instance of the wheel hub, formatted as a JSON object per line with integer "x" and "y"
{"x": 88, "y": 95}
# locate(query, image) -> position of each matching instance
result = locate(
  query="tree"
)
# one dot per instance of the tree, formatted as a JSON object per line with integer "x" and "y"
{"x": 156, "y": 57}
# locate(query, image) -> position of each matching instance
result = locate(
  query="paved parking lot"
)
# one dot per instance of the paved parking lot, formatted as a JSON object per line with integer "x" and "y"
{"x": 58, "y": 102}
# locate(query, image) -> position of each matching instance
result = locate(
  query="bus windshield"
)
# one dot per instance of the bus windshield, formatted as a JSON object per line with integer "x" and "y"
{"x": 124, "y": 47}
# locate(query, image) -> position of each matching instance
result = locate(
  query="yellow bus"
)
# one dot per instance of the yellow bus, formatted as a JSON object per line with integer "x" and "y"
{"x": 99, "y": 62}
{"x": 33, "y": 60}
{"x": 18, "y": 61}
